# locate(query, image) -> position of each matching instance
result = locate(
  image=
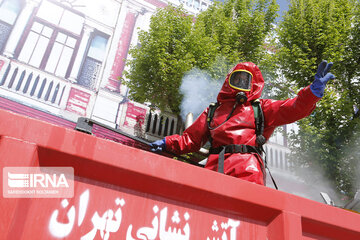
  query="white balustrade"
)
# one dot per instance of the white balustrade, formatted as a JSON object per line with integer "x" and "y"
{"x": 32, "y": 83}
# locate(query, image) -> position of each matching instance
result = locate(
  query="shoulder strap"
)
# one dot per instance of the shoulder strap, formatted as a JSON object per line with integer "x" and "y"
{"x": 259, "y": 122}
{"x": 212, "y": 108}
{"x": 259, "y": 130}
{"x": 255, "y": 105}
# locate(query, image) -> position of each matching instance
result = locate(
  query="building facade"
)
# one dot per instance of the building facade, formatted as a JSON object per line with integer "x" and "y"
{"x": 66, "y": 56}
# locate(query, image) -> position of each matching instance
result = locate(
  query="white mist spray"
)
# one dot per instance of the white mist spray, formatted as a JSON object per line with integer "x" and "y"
{"x": 198, "y": 90}
{"x": 351, "y": 159}
{"x": 316, "y": 182}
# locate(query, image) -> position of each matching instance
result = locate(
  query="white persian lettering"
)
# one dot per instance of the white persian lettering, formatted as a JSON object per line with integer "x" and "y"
{"x": 61, "y": 230}
{"x": 173, "y": 234}
{"x": 105, "y": 224}
{"x": 58, "y": 229}
{"x": 232, "y": 224}
{"x": 146, "y": 233}
{"x": 159, "y": 228}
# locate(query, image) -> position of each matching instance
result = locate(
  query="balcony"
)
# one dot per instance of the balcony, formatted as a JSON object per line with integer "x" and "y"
{"x": 39, "y": 89}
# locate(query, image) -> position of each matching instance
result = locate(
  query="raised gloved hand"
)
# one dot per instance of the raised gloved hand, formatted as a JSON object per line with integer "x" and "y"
{"x": 321, "y": 78}
{"x": 158, "y": 145}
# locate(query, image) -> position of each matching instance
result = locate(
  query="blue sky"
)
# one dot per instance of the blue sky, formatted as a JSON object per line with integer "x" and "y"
{"x": 283, "y": 5}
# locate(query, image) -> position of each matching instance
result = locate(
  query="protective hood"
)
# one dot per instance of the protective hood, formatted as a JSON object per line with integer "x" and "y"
{"x": 227, "y": 93}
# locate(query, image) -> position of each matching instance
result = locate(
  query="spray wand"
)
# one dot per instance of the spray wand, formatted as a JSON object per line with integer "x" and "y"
{"x": 85, "y": 125}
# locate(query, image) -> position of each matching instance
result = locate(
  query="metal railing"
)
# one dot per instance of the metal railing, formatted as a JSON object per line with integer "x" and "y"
{"x": 160, "y": 125}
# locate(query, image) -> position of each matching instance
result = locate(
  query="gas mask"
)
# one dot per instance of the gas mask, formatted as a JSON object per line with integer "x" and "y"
{"x": 241, "y": 97}
{"x": 241, "y": 80}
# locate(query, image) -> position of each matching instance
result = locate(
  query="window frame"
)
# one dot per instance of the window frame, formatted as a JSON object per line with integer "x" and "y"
{"x": 52, "y": 41}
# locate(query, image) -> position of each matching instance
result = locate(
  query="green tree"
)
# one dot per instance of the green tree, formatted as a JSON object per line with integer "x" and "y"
{"x": 238, "y": 29}
{"x": 350, "y": 68}
{"x": 157, "y": 65}
{"x": 214, "y": 41}
{"x": 313, "y": 30}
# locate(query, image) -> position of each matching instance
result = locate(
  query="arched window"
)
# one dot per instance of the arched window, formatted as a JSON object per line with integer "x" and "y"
{"x": 148, "y": 123}
{"x": 155, "y": 123}
{"x": 281, "y": 160}
{"x": 288, "y": 163}
{"x": 93, "y": 61}
{"x": 160, "y": 125}
{"x": 172, "y": 127}
{"x": 166, "y": 127}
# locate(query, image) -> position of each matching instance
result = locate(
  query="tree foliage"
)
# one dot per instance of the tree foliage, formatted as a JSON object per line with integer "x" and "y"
{"x": 157, "y": 65}
{"x": 176, "y": 43}
{"x": 313, "y": 30}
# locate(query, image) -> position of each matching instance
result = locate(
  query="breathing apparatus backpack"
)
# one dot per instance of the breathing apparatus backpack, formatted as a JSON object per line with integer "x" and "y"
{"x": 260, "y": 139}
{"x": 259, "y": 120}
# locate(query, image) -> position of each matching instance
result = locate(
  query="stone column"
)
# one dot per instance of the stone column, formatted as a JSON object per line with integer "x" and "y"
{"x": 81, "y": 53}
{"x": 118, "y": 65}
{"x": 19, "y": 27}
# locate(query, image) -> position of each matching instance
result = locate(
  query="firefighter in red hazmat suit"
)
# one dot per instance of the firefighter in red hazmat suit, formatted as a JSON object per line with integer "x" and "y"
{"x": 232, "y": 129}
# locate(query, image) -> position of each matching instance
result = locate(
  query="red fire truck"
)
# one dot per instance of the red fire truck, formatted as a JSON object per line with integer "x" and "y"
{"x": 122, "y": 191}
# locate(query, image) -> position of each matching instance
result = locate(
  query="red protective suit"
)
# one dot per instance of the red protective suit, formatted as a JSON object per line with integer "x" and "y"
{"x": 240, "y": 128}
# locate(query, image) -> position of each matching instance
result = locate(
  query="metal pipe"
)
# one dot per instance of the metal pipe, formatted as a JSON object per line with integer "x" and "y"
{"x": 189, "y": 120}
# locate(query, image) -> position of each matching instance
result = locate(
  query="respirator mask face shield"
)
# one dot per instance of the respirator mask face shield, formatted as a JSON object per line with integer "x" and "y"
{"x": 241, "y": 80}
